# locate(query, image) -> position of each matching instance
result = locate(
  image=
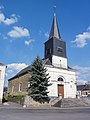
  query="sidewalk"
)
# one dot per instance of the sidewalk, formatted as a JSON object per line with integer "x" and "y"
{"x": 9, "y": 105}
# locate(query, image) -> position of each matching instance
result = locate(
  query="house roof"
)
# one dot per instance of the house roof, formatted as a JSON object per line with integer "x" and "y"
{"x": 27, "y": 69}
{"x": 22, "y": 72}
{"x": 1, "y": 64}
{"x": 83, "y": 87}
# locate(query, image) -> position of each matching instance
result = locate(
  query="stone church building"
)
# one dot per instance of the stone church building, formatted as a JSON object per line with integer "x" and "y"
{"x": 62, "y": 77}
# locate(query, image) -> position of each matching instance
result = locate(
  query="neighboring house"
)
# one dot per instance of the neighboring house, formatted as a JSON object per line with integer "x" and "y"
{"x": 62, "y": 77}
{"x": 18, "y": 85}
{"x": 83, "y": 90}
{"x": 2, "y": 77}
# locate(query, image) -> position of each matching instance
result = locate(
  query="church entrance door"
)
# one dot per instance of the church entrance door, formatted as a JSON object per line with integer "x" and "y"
{"x": 61, "y": 90}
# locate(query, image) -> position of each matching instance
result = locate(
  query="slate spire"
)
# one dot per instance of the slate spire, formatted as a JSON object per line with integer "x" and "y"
{"x": 54, "y": 29}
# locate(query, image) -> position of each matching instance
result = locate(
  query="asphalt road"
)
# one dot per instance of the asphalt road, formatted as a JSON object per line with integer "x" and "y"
{"x": 44, "y": 114}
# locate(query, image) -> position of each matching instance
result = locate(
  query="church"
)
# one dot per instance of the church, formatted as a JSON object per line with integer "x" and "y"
{"x": 62, "y": 77}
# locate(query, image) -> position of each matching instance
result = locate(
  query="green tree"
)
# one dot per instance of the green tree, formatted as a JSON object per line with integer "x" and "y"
{"x": 39, "y": 81}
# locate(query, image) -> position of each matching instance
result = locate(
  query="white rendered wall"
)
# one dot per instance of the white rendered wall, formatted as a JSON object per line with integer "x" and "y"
{"x": 2, "y": 76}
{"x": 59, "y": 61}
{"x": 69, "y": 82}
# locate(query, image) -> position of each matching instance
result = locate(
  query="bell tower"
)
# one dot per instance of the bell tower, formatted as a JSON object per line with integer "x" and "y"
{"x": 55, "y": 47}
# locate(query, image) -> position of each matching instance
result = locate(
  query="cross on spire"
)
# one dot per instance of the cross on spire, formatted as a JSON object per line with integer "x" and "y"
{"x": 54, "y": 10}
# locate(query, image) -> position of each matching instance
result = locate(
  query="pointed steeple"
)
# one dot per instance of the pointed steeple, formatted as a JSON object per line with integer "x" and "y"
{"x": 54, "y": 29}
{"x": 55, "y": 46}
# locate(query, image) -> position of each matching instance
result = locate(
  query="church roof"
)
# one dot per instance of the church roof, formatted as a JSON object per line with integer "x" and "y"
{"x": 22, "y": 72}
{"x": 27, "y": 69}
{"x": 54, "y": 29}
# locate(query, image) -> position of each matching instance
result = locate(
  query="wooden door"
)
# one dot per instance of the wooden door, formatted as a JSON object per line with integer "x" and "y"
{"x": 61, "y": 90}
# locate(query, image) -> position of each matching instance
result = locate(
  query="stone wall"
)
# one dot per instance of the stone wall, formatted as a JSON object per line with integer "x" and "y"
{"x": 19, "y": 85}
{"x": 29, "y": 102}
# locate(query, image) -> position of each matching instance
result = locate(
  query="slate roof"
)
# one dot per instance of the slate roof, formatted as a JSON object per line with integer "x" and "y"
{"x": 22, "y": 72}
{"x": 83, "y": 87}
{"x": 2, "y": 64}
{"x": 54, "y": 29}
{"x": 25, "y": 70}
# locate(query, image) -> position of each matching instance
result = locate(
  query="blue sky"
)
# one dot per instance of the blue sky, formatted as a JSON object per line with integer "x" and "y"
{"x": 25, "y": 26}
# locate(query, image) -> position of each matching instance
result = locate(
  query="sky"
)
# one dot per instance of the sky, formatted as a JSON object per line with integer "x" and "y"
{"x": 25, "y": 26}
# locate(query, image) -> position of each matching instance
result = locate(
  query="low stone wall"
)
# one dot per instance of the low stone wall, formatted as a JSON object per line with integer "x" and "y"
{"x": 29, "y": 102}
{"x": 16, "y": 99}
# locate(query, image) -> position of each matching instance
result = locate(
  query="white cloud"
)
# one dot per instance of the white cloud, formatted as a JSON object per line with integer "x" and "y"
{"x": 10, "y": 71}
{"x": 81, "y": 39}
{"x": 82, "y": 82}
{"x": 8, "y": 21}
{"x": 14, "y": 68}
{"x": 83, "y": 74}
{"x": 2, "y": 17}
{"x": 18, "y": 32}
{"x": 28, "y": 42}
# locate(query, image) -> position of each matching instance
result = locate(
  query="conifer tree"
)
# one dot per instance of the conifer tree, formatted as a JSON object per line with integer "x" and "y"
{"x": 39, "y": 81}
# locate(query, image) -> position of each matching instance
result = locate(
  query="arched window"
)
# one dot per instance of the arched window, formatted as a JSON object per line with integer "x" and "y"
{"x": 60, "y": 79}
